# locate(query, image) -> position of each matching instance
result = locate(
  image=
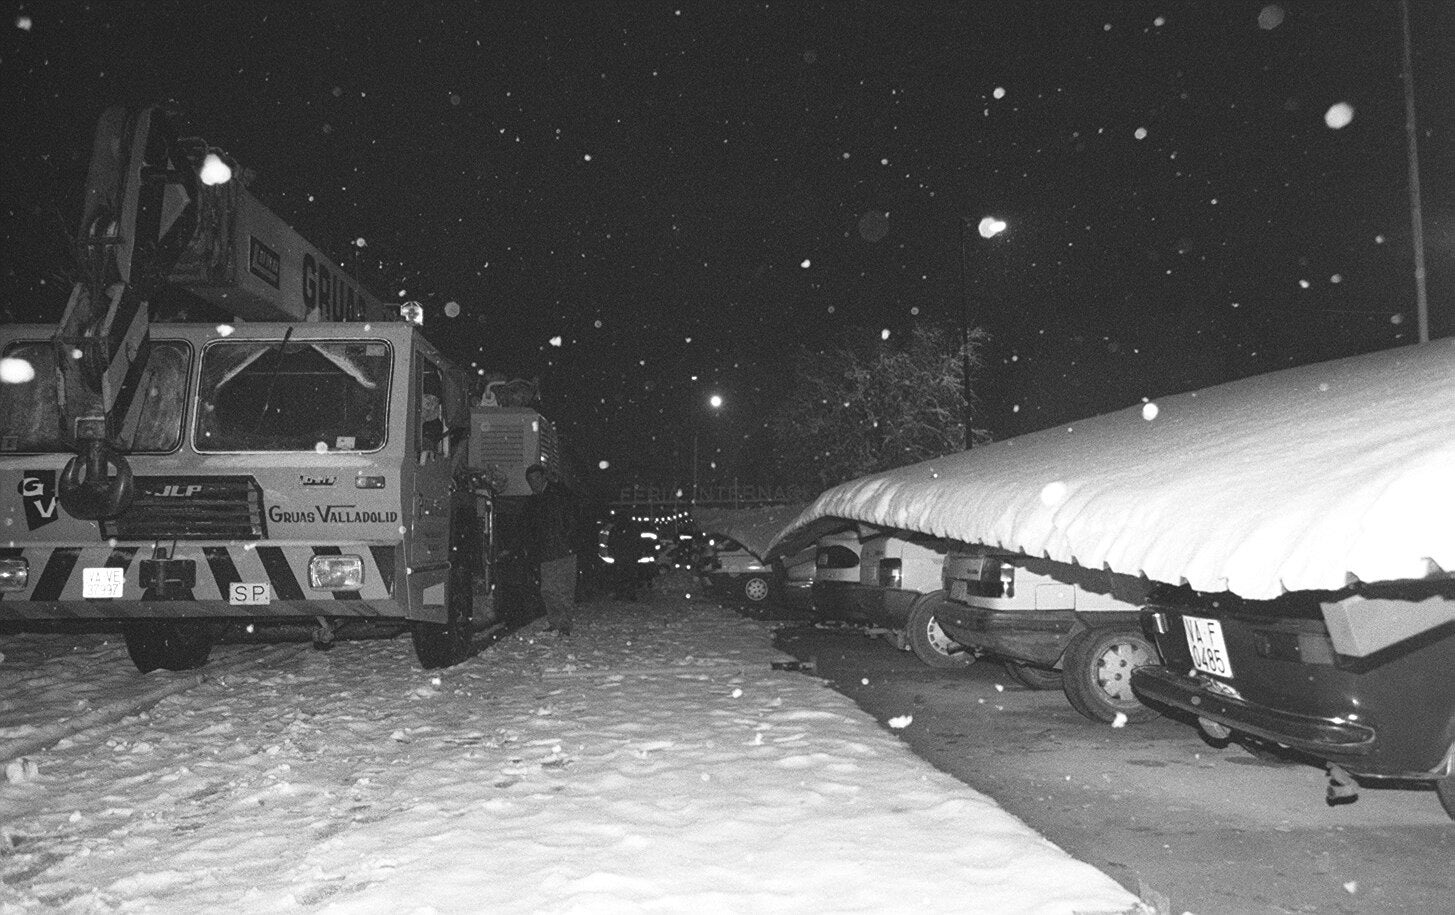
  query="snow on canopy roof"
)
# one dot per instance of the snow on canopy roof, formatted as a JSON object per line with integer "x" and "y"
{"x": 754, "y": 528}
{"x": 1305, "y": 479}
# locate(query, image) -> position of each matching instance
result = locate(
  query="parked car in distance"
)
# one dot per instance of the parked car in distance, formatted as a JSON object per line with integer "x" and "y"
{"x": 1359, "y": 679}
{"x": 794, "y": 576}
{"x": 898, "y": 592}
{"x": 835, "y": 575}
{"x": 1055, "y": 626}
{"x": 732, "y": 569}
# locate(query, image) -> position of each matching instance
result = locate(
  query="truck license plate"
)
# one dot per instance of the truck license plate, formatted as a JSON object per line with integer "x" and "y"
{"x": 1205, "y": 642}
{"x": 249, "y": 592}
{"x": 102, "y": 582}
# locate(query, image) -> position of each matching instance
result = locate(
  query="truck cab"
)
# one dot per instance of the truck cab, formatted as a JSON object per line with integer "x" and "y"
{"x": 276, "y": 470}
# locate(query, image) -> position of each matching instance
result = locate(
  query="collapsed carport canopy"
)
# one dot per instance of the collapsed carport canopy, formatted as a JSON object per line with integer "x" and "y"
{"x": 754, "y": 528}
{"x": 1306, "y": 479}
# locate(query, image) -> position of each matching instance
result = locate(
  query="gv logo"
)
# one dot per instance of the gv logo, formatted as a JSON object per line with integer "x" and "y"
{"x": 38, "y": 492}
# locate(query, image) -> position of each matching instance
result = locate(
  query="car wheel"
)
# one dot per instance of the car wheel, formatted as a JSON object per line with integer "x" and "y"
{"x": 756, "y": 589}
{"x": 1097, "y": 673}
{"x": 929, "y": 642}
{"x": 169, "y": 644}
{"x": 1032, "y": 677}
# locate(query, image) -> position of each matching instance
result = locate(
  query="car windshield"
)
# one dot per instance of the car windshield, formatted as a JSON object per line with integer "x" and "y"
{"x": 281, "y": 396}
{"x": 30, "y": 411}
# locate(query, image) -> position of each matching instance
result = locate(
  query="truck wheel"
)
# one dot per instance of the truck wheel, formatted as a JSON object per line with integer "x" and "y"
{"x": 1032, "y": 677}
{"x": 757, "y": 589}
{"x": 1097, "y": 673}
{"x": 169, "y": 644}
{"x": 447, "y": 644}
{"x": 928, "y": 641}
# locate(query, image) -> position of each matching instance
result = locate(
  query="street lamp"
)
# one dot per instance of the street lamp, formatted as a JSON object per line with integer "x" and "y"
{"x": 715, "y": 402}
{"x": 988, "y": 227}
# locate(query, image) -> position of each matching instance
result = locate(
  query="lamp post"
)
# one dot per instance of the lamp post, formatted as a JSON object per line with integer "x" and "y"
{"x": 715, "y": 403}
{"x": 988, "y": 227}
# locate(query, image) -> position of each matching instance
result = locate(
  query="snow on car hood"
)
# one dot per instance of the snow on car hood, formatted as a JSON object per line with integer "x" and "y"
{"x": 754, "y": 528}
{"x": 1304, "y": 479}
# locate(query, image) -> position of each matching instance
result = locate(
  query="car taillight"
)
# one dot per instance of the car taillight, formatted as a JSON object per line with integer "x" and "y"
{"x": 891, "y": 573}
{"x": 1007, "y": 579}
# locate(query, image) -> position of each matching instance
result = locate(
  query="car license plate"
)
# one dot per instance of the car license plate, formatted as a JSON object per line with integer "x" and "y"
{"x": 1205, "y": 642}
{"x": 249, "y": 592}
{"x": 102, "y": 582}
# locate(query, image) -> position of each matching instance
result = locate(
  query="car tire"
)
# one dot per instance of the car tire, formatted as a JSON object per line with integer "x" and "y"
{"x": 1032, "y": 677}
{"x": 928, "y": 641}
{"x": 169, "y": 644}
{"x": 1097, "y": 673}
{"x": 756, "y": 589}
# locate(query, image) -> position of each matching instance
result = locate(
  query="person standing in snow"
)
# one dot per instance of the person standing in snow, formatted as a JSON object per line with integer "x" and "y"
{"x": 546, "y": 546}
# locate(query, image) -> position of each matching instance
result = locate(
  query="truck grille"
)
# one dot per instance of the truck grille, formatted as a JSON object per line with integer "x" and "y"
{"x": 192, "y": 508}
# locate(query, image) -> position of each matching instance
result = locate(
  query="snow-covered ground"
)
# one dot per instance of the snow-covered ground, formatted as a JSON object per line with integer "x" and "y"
{"x": 653, "y": 761}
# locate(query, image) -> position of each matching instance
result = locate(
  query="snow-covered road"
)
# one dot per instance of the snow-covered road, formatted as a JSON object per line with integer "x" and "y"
{"x": 654, "y": 761}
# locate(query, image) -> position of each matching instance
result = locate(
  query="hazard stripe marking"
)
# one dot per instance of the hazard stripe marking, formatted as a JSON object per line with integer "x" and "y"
{"x": 384, "y": 559}
{"x": 57, "y": 570}
{"x": 224, "y": 571}
{"x": 280, "y": 576}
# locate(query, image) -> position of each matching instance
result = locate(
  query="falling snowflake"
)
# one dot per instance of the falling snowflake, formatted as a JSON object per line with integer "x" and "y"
{"x": 602, "y": 465}
{"x": 1271, "y": 17}
{"x": 16, "y": 371}
{"x": 899, "y": 722}
{"x": 999, "y": 92}
{"x": 1149, "y": 411}
{"x": 452, "y": 309}
{"x": 1140, "y": 133}
{"x": 23, "y": 23}
{"x": 806, "y": 263}
{"x": 1339, "y": 115}
{"x": 556, "y": 340}
{"x": 884, "y": 334}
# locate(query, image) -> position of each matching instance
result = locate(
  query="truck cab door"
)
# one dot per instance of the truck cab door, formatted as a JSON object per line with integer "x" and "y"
{"x": 429, "y": 535}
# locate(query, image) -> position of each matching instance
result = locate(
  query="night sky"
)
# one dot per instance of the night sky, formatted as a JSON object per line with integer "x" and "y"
{"x": 645, "y": 203}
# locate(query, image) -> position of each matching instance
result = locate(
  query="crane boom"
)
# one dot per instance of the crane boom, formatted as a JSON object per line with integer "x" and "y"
{"x": 150, "y": 222}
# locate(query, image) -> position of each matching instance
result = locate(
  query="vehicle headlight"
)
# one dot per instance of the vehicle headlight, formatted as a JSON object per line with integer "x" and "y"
{"x": 14, "y": 574}
{"x": 336, "y": 573}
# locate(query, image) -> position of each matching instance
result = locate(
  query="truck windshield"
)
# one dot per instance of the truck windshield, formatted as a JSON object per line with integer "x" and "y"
{"x": 30, "y": 413}
{"x": 261, "y": 395}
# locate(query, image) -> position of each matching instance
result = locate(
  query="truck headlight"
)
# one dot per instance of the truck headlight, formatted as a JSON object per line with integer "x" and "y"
{"x": 336, "y": 573}
{"x": 14, "y": 574}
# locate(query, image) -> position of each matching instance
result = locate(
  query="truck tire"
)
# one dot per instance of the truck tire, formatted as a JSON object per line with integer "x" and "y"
{"x": 169, "y": 644}
{"x": 1032, "y": 677}
{"x": 1097, "y": 673}
{"x": 757, "y": 589}
{"x": 928, "y": 641}
{"x": 447, "y": 644}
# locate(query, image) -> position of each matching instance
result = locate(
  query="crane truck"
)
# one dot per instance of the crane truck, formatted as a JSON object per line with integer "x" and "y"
{"x": 225, "y": 426}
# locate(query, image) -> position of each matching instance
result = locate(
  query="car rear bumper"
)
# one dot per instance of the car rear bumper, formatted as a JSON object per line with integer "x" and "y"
{"x": 1327, "y": 738}
{"x": 1034, "y": 636}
